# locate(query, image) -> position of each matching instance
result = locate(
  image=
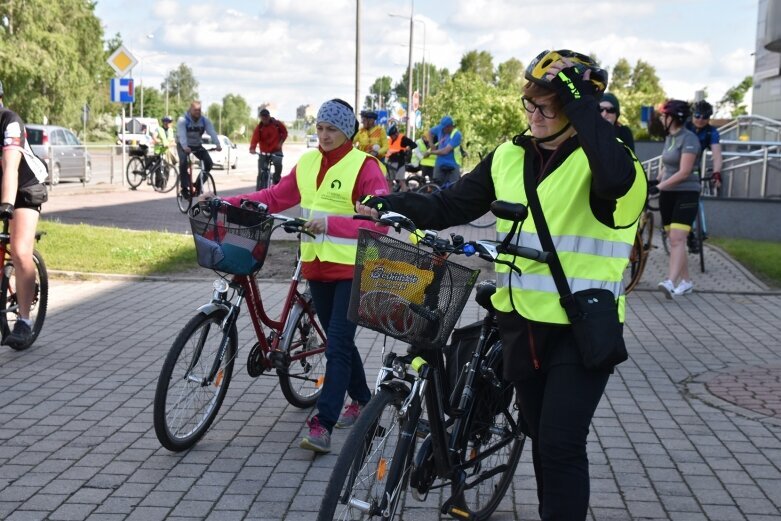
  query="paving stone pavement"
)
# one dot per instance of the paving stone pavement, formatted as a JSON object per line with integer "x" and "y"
{"x": 689, "y": 428}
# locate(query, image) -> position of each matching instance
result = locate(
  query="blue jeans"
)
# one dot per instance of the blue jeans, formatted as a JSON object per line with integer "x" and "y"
{"x": 344, "y": 367}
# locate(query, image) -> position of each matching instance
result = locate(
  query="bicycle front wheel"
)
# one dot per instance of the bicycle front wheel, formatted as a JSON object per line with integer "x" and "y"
{"x": 135, "y": 172}
{"x": 208, "y": 186}
{"x": 302, "y": 380}
{"x": 700, "y": 236}
{"x": 634, "y": 270}
{"x": 363, "y": 484}
{"x": 181, "y": 201}
{"x": 9, "y": 305}
{"x": 187, "y": 398}
{"x": 494, "y": 445}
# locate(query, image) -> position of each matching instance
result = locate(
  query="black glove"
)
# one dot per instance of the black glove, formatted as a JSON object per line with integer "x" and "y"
{"x": 6, "y": 211}
{"x": 570, "y": 85}
{"x": 378, "y": 203}
{"x": 653, "y": 190}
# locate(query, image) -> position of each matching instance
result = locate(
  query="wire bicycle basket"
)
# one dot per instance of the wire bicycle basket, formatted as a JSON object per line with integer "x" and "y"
{"x": 230, "y": 239}
{"x": 406, "y": 292}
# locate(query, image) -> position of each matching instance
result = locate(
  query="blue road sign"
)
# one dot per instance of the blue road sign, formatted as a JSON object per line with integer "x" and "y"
{"x": 122, "y": 90}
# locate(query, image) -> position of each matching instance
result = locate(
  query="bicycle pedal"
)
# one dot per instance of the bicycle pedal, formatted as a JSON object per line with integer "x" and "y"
{"x": 256, "y": 362}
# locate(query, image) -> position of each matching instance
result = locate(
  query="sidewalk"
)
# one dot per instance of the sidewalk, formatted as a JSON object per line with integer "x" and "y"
{"x": 689, "y": 428}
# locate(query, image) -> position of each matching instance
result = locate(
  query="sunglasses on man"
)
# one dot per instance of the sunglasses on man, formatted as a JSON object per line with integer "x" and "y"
{"x": 609, "y": 110}
{"x": 700, "y": 116}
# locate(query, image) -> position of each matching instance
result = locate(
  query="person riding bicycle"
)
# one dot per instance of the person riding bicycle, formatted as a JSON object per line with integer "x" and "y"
{"x": 189, "y": 134}
{"x": 447, "y": 151}
{"x": 679, "y": 193}
{"x": 165, "y": 141}
{"x": 399, "y": 146}
{"x": 327, "y": 183}
{"x": 21, "y": 195}
{"x": 709, "y": 138}
{"x": 371, "y": 138}
{"x": 269, "y": 135}
{"x": 591, "y": 191}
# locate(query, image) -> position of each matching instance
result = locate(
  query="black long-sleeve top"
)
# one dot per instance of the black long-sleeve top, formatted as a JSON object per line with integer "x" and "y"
{"x": 612, "y": 167}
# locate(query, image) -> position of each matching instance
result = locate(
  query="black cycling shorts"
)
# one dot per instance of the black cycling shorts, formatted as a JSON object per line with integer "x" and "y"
{"x": 678, "y": 208}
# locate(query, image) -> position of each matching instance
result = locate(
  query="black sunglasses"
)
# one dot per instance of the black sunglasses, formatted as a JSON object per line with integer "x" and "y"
{"x": 697, "y": 115}
{"x": 609, "y": 110}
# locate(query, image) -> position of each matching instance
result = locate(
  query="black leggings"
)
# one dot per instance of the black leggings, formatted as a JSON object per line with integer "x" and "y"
{"x": 558, "y": 406}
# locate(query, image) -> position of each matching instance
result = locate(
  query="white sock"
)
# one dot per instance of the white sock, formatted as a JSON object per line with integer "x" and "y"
{"x": 27, "y": 321}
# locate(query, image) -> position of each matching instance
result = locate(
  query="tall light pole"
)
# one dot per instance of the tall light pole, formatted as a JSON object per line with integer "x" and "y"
{"x": 150, "y": 37}
{"x": 423, "y": 65}
{"x": 410, "y": 112}
{"x": 357, "y": 54}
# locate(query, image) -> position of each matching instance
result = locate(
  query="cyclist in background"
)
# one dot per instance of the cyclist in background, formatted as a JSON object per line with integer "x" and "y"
{"x": 21, "y": 196}
{"x": 447, "y": 151}
{"x": 327, "y": 183}
{"x": 189, "y": 134}
{"x": 399, "y": 146}
{"x": 371, "y": 138}
{"x": 269, "y": 136}
{"x": 592, "y": 189}
{"x": 610, "y": 109}
{"x": 679, "y": 196}
{"x": 165, "y": 141}
{"x": 709, "y": 138}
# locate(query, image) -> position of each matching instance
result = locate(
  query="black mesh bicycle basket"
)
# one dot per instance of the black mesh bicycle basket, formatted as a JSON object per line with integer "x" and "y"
{"x": 138, "y": 151}
{"x": 230, "y": 239}
{"x": 406, "y": 292}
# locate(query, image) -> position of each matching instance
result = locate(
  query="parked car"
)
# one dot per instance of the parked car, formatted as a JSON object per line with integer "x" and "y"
{"x": 311, "y": 141}
{"x": 62, "y": 152}
{"x": 228, "y": 156}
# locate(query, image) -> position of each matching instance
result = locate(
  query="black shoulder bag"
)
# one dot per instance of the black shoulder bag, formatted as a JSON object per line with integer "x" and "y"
{"x": 593, "y": 313}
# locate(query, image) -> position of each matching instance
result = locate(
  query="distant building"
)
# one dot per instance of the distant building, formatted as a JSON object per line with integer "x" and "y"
{"x": 766, "y": 98}
{"x": 305, "y": 112}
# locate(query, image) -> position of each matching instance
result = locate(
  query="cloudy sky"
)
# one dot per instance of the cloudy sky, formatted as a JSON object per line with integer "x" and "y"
{"x": 294, "y": 52}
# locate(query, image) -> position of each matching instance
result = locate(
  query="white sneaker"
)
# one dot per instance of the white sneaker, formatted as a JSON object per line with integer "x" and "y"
{"x": 684, "y": 288}
{"x": 666, "y": 287}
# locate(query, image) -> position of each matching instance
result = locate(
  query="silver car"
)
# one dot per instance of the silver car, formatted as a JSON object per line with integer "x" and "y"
{"x": 62, "y": 152}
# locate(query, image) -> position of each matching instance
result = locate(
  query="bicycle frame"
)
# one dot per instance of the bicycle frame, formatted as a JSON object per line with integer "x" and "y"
{"x": 246, "y": 288}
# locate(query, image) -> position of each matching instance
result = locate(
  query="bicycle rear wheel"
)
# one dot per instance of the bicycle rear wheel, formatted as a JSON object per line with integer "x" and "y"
{"x": 135, "y": 172}
{"x": 186, "y": 401}
{"x": 429, "y": 188}
{"x": 363, "y": 477}
{"x": 9, "y": 306}
{"x": 166, "y": 177}
{"x": 485, "y": 221}
{"x": 302, "y": 381}
{"x": 494, "y": 445}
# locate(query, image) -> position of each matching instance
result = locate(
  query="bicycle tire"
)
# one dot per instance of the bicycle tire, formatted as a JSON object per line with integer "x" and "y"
{"x": 492, "y": 430}
{"x": 182, "y": 202}
{"x": 172, "y": 179}
{"x": 135, "y": 172}
{"x": 175, "y": 429}
{"x": 633, "y": 270}
{"x": 374, "y": 440}
{"x": 700, "y": 235}
{"x": 429, "y": 188}
{"x": 207, "y": 183}
{"x": 9, "y": 313}
{"x": 302, "y": 381}
{"x": 414, "y": 182}
{"x": 485, "y": 221}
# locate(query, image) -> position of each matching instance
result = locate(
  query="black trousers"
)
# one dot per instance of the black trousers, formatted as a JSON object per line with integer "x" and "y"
{"x": 184, "y": 167}
{"x": 558, "y": 406}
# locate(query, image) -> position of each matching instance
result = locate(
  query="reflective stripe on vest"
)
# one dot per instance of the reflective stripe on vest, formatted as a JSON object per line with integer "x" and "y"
{"x": 592, "y": 254}
{"x": 333, "y": 197}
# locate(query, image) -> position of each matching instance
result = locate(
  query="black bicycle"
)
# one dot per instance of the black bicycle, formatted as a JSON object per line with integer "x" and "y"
{"x": 265, "y": 179}
{"x": 9, "y": 304}
{"x": 153, "y": 169}
{"x": 203, "y": 183}
{"x": 472, "y": 435}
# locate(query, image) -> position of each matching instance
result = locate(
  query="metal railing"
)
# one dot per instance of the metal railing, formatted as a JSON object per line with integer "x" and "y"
{"x": 751, "y": 158}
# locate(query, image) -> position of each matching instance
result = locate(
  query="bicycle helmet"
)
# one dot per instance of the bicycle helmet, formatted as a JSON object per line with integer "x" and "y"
{"x": 393, "y": 130}
{"x": 540, "y": 65}
{"x": 368, "y": 114}
{"x": 676, "y": 108}
{"x": 167, "y": 119}
{"x": 704, "y": 108}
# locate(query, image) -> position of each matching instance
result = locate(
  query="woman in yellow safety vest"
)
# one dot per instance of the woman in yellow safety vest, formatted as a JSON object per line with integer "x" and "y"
{"x": 591, "y": 190}
{"x": 327, "y": 182}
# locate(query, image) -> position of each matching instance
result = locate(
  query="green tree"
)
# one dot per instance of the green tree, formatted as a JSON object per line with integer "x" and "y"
{"x": 733, "y": 98}
{"x": 181, "y": 87}
{"x": 510, "y": 75}
{"x": 635, "y": 87}
{"x": 51, "y": 59}
{"x": 429, "y": 77}
{"x": 379, "y": 93}
{"x": 481, "y": 63}
{"x": 621, "y": 75}
{"x": 232, "y": 117}
{"x": 485, "y": 113}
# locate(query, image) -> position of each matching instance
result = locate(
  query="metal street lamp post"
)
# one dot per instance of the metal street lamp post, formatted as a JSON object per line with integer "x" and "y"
{"x": 410, "y": 112}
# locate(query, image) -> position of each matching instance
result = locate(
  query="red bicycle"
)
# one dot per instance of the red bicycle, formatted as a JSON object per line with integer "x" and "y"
{"x": 199, "y": 366}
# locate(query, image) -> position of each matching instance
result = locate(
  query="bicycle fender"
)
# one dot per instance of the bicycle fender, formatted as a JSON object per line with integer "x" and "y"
{"x": 213, "y": 307}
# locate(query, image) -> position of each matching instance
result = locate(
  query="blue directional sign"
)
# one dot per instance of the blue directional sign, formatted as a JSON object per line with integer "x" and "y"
{"x": 122, "y": 90}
